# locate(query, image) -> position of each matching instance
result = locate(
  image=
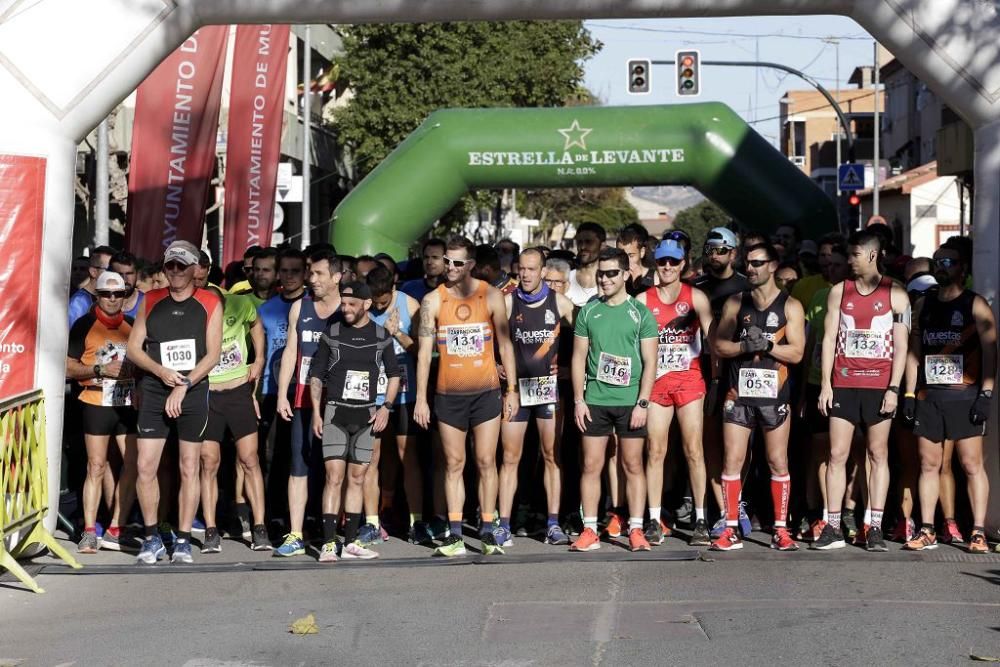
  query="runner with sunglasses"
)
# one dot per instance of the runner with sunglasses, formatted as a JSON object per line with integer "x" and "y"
{"x": 950, "y": 373}
{"x": 462, "y": 317}
{"x": 683, "y": 315}
{"x": 762, "y": 332}
{"x": 614, "y": 368}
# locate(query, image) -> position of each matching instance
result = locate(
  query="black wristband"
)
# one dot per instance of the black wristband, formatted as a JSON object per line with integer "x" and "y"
{"x": 893, "y": 388}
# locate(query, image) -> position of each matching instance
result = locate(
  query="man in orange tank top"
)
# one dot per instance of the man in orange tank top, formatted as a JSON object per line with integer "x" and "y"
{"x": 463, "y": 318}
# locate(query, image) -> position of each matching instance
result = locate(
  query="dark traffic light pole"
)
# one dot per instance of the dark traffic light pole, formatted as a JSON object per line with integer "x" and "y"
{"x": 849, "y": 136}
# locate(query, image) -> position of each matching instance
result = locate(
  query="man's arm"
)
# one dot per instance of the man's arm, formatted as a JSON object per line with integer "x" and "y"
{"x": 721, "y": 339}
{"x": 900, "y": 333}
{"x": 287, "y": 367}
{"x": 498, "y": 313}
{"x": 567, "y": 311}
{"x": 987, "y": 329}
{"x": 426, "y": 333}
{"x": 791, "y": 351}
{"x": 133, "y": 349}
{"x": 213, "y": 347}
{"x": 914, "y": 351}
{"x": 259, "y": 349}
{"x": 581, "y": 347}
{"x": 648, "y": 349}
{"x": 831, "y": 326}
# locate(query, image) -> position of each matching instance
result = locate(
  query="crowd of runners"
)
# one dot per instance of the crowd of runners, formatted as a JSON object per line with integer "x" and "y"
{"x": 627, "y": 392}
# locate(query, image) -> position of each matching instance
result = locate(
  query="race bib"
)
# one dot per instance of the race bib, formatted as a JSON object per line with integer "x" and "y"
{"x": 467, "y": 340}
{"x": 672, "y": 357}
{"x": 866, "y": 344}
{"x": 944, "y": 368}
{"x": 230, "y": 359}
{"x": 356, "y": 386}
{"x": 612, "y": 369}
{"x": 383, "y": 381}
{"x": 758, "y": 383}
{"x": 117, "y": 393}
{"x": 538, "y": 391}
{"x": 178, "y": 355}
{"x": 304, "y": 365}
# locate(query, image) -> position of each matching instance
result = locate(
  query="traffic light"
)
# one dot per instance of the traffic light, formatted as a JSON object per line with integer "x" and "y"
{"x": 688, "y": 73}
{"x": 854, "y": 211}
{"x": 638, "y": 77}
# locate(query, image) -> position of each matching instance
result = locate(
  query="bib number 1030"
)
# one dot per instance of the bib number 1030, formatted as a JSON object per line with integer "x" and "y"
{"x": 178, "y": 355}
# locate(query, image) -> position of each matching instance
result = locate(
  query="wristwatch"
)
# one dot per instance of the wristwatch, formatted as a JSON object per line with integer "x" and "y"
{"x": 893, "y": 388}
{"x": 187, "y": 381}
{"x": 643, "y": 403}
{"x": 98, "y": 371}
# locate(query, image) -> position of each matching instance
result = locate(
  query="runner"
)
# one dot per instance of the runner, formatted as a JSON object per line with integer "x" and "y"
{"x": 589, "y": 240}
{"x": 614, "y": 358}
{"x": 950, "y": 374}
{"x": 432, "y": 253}
{"x": 350, "y": 357}
{"x": 763, "y": 332}
{"x": 82, "y": 300}
{"x": 864, "y": 355}
{"x": 233, "y": 407}
{"x": 462, "y": 317}
{"x": 536, "y": 316}
{"x": 176, "y": 340}
{"x": 96, "y": 359}
{"x": 307, "y": 320}
{"x": 265, "y": 275}
{"x": 633, "y": 239}
{"x": 683, "y": 315}
{"x": 125, "y": 264}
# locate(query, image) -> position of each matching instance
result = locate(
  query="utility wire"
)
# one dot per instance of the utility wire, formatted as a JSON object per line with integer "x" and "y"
{"x": 860, "y": 38}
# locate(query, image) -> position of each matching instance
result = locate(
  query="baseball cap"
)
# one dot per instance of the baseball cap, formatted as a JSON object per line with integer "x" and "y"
{"x": 669, "y": 248}
{"x": 720, "y": 236}
{"x": 109, "y": 280}
{"x": 356, "y": 289}
{"x": 808, "y": 247}
{"x": 181, "y": 251}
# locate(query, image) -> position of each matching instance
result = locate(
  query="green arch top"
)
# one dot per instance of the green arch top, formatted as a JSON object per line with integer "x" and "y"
{"x": 705, "y": 145}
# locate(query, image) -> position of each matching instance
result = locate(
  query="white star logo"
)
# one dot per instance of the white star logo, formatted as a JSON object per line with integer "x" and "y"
{"x": 575, "y": 135}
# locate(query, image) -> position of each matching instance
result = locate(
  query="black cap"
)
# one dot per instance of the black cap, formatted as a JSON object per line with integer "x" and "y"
{"x": 357, "y": 289}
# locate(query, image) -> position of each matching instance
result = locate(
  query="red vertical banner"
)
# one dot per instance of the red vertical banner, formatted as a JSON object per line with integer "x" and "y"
{"x": 173, "y": 145}
{"x": 253, "y": 148}
{"x": 22, "y": 208}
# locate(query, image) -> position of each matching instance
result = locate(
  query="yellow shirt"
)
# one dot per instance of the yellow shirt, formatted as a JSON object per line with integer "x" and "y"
{"x": 806, "y": 288}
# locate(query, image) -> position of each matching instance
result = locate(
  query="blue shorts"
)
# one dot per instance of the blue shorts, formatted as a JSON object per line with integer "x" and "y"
{"x": 525, "y": 412}
{"x": 306, "y": 447}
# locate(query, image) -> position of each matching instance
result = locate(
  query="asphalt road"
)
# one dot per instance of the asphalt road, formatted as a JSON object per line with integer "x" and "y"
{"x": 536, "y": 605}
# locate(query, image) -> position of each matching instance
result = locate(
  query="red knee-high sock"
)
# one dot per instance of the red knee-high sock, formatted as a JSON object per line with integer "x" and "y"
{"x": 781, "y": 489}
{"x": 731, "y": 489}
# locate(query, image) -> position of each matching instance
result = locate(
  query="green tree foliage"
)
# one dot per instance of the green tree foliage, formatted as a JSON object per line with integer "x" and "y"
{"x": 605, "y": 206}
{"x": 698, "y": 220}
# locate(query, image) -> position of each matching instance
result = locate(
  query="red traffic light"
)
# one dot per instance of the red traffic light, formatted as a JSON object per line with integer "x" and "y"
{"x": 854, "y": 200}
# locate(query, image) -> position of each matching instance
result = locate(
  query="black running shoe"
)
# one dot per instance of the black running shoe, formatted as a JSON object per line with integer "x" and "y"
{"x": 830, "y": 538}
{"x": 875, "y": 542}
{"x": 212, "y": 544}
{"x": 261, "y": 542}
{"x": 699, "y": 534}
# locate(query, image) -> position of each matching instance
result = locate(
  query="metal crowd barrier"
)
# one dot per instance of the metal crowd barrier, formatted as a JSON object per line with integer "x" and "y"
{"x": 24, "y": 484}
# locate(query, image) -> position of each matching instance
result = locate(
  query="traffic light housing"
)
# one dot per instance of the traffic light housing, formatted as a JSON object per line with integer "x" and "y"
{"x": 688, "y": 65}
{"x": 638, "y": 76}
{"x": 854, "y": 211}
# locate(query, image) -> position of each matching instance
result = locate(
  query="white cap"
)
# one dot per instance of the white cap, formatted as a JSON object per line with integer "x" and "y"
{"x": 181, "y": 251}
{"x": 109, "y": 280}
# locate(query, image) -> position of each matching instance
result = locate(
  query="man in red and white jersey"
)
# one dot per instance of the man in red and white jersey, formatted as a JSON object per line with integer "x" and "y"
{"x": 682, "y": 314}
{"x": 864, "y": 356}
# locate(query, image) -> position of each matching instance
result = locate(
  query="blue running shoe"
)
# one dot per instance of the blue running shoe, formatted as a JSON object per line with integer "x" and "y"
{"x": 369, "y": 535}
{"x": 197, "y": 526}
{"x": 292, "y": 546}
{"x": 555, "y": 535}
{"x": 503, "y": 536}
{"x": 152, "y": 551}
{"x": 420, "y": 533}
{"x": 182, "y": 552}
{"x": 718, "y": 528}
{"x": 745, "y": 527}
{"x": 167, "y": 535}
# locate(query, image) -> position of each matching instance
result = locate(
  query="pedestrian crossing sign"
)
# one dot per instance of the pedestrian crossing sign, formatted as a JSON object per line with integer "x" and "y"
{"x": 851, "y": 176}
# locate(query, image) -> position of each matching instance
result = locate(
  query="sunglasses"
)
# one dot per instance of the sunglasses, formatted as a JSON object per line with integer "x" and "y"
{"x": 757, "y": 263}
{"x": 104, "y": 294}
{"x": 248, "y": 269}
{"x": 672, "y": 261}
{"x": 175, "y": 266}
{"x": 610, "y": 273}
{"x": 718, "y": 251}
{"x": 457, "y": 263}
{"x": 945, "y": 262}
{"x": 550, "y": 283}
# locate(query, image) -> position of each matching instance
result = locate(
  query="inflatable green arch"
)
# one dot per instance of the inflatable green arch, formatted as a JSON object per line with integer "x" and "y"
{"x": 456, "y": 150}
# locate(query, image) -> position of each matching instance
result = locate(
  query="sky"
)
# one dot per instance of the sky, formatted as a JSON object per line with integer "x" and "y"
{"x": 796, "y": 41}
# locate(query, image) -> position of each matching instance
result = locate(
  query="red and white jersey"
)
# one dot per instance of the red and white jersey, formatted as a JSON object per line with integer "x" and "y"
{"x": 864, "y": 338}
{"x": 679, "y": 330}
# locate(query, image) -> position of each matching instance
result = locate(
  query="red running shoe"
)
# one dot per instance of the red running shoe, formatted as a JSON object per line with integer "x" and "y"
{"x": 782, "y": 541}
{"x": 728, "y": 541}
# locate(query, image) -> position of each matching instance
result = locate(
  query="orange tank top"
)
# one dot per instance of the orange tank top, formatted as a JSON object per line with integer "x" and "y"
{"x": 465, "y": 343}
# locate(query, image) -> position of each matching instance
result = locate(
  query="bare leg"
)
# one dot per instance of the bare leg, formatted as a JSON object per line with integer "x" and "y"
{"x": 485, "y": 438}
{"x": 97, "y": 468}
{"x": 512, "y": 437}
{"x": 190, "y": 461}
{"x": 657, "y": 439}
{"x": 210, "y": 459}
{"x": 253, "y": 478}
{"x": 147, "y": 486}
{"x": 970, "y": 455}
{"x": 125, "y": 491}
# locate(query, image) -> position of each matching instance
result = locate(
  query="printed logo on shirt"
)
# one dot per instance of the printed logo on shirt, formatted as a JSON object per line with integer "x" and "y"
{"x": 682, "y": 308}
{"x": 957, "y": 320}
{"x": 550, "y": 317}
{"x": 772, "y": 320}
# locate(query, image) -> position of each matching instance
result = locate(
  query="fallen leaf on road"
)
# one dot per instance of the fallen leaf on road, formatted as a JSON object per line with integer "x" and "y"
{"x": 983, "y": 658}
{"x": 304, "y": 626}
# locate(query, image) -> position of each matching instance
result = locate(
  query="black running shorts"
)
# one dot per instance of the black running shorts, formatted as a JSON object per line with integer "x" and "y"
{"x": 939, "y": 420}
{"x": 153, "y": 421}
{"x": 232, "y": 409}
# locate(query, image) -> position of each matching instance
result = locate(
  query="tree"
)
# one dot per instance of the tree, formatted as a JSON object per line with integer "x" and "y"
{"x": 698, "y": 220}
{"x": 605, "y": 206}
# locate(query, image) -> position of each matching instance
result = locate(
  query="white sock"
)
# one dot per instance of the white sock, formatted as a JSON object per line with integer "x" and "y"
{"x": 654, "y": 513}
{"x": 826, "y": 515}
{"x": 868, "y": 515}
{"x": 634, "y": 522}
{"x": 590, "y": 522}
{"x": 699, "y": 513}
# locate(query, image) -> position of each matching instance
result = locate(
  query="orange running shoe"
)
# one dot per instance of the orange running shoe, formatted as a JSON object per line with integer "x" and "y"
{"x": 925, "y": 539}
{"x": 728, "y": 541}
{"x": 861, "y": 539}
{"x": 782, "y": 541}
{"x": 637, "y": 541}
{"x": 977, "y": 543}
{"x": 667, "y": 532}
{"x": 588, "y": 541}
{"x": 614, "y": 527}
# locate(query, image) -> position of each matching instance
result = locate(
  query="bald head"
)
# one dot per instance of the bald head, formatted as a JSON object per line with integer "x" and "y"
{"x": 915, "y": 266}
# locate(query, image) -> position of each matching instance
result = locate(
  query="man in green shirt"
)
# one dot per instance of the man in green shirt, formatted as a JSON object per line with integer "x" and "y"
{"x": 614, "y": 358}
{"x": 233, "y": 406}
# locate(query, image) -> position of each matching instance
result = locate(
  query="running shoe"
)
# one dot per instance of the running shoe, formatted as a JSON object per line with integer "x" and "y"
{"x": 718, "y": 528}
{"x": 874, "y": 540}
{"x": 182, "y": 552}
{"x": 242, "y": 512}
{"x": 260, "y": 542}
{"x": 354, "y": 550}
{"x": 905, "y": 530}
{"x": 328, "y": 552}
{"x": 861, "y": 538}
{"x": 803, "y": 533}
{"x": 491, "y": 543}
{"x": 197, "y": 526}
{"x": 829, "y": 538}
{"x": 654, "y": 533}
{"x": 848, "y": 524}
{"x": 813, "y": 532}
{"x": 977, "y": 543}
{"x": 573, "y": 525}
{"x": 521, "y": 520}
{"x": 503, "y": 537}
{"x": 452, "y": 546}
{"x": 439, "y": 528}
{"x": 420, "y": 533}
{"x": 167, "y": 534}
{"x": 152, "y": 551}
{"x": 925, "y": 539}
{"x": 111, "y": 542}
{"x": 699, "y": 534}
{"x": 382, "y": 532}
{"x": 950, "y": 534}
{"x": 728, "y": 541}
{"x": 212, "y": 544}
{"x": 89, "y": 544}
{"x": 637, "y": 541}
{"x": 745, "y": 526}
{"x": 614, "y": 525}
{"x": 369, "y": 535}
{"x": 292, "y": 546}
{"x": 782, "y": 540}
{"x": 555, "y": 535}
{"x": 588, "y": 541}
{"x": 685, "y": 513}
